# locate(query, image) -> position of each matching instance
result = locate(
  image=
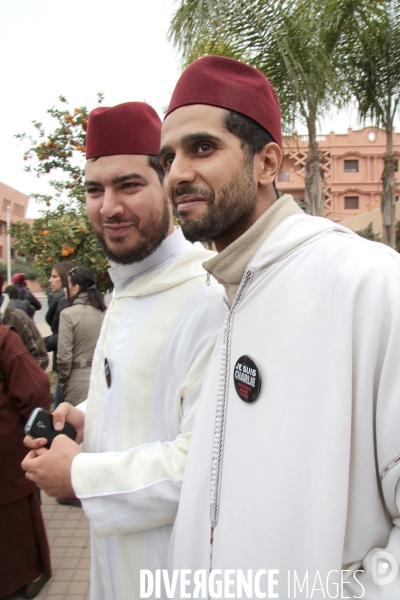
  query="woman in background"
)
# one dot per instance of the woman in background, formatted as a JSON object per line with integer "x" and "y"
{"x": 57, "y": 303}
{"x": 80, "y": 325}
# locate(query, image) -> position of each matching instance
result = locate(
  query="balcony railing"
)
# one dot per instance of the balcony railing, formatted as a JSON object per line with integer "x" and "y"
{"x": 319, "y": 138}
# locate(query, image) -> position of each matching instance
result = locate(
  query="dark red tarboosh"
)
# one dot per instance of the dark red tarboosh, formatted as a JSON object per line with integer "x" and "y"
{"x": 230, "y": 84}
{"x": 129, "y": 128}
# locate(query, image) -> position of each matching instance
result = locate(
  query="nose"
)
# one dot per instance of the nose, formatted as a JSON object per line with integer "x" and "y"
{"x": 181, "y": 172}
{"x": 112, "y": 205}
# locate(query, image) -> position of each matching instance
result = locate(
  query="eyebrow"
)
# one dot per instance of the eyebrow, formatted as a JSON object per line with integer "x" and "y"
{"x": 116, "y": 180}
{"x": 191, "y": 137}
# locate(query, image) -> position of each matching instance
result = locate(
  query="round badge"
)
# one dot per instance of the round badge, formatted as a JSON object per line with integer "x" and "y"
{"x": 247, "y": 379}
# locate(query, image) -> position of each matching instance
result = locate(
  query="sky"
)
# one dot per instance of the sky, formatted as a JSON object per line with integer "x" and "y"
{"x": 78, "y": 48}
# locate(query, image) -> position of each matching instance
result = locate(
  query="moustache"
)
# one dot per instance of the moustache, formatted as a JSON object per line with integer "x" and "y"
{"x": 119, "y": 221}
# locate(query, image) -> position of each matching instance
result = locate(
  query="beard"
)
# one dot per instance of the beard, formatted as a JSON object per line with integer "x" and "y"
{"x": 150, "y": 238}
{"x": 226, "y": 208}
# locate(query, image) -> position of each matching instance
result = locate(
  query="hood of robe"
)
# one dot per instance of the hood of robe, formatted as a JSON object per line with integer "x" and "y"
{"x": 182, "y": 269}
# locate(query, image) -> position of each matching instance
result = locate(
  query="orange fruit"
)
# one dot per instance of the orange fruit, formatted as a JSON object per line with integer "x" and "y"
{"x": 45, "y": 232}
{"x": 50, "y": 259}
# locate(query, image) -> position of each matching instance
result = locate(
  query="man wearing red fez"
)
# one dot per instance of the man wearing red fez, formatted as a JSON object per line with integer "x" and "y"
{"x": 150, "y": 360}
{"x": 292, "y": 488}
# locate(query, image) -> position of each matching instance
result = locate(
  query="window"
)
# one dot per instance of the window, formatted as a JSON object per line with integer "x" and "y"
{"x": 351, "y": 202}
{"x": 6, "y": 203}
{"x": 1, "y": 251}
{"x": 351, "y": 166}
{"x": 18, "y": 210}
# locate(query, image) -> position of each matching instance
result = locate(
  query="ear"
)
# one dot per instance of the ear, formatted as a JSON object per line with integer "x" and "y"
{"x": 267, "y": 163}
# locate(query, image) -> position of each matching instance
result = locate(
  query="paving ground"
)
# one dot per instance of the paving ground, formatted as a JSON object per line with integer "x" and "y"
{"x": 68, "y": 534}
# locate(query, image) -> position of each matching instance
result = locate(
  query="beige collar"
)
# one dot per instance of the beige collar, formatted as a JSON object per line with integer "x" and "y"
{"x": 229, "y": 265}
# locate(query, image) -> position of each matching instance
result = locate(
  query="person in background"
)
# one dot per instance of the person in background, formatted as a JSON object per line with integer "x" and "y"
{"x": 24, "y": 550}
{"x": 17, "y": 302}
{"x": 79, "y": 329}
{"x": 23, "y": 325}
{"x": 19, "y": 280}
{"x": 57, "y": 303}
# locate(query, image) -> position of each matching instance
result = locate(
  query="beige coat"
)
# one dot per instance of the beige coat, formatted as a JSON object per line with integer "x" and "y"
{"x": 79, "y": 329}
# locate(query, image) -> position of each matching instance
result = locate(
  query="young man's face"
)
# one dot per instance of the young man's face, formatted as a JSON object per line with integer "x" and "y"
{"x": 208, "y": 176}
{"x": 126, "y": 204}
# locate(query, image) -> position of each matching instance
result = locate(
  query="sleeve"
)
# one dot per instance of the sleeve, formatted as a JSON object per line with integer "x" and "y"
{"x": 20, "y": 368}
{"x": 29, "y": 334}
{"x": 65, "y": 347}
{"x": 380, "y": 340}
{"x": 51, "y": 341}
{"x": 31, "y": 310}
{"x": 34, "y": 301}
{"x": 124, "y": 492}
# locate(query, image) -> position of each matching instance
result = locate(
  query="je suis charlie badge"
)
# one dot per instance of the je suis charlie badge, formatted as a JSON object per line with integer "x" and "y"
{"x": 247, "y": 379}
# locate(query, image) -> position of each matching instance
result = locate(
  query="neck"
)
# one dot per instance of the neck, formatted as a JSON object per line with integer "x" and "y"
{"x": 264, "y": 202}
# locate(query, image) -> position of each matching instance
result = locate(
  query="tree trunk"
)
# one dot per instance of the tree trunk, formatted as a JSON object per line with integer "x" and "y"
{"x": 389, "y": 190}
{"x": 314, "y": 191}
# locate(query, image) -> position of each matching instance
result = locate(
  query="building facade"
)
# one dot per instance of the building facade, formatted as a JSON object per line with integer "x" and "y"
{"x": 18, "y": 203}
{"x": 353, "y": 168}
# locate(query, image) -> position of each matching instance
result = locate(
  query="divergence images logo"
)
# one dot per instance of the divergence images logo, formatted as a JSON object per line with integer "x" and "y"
{"x": 384, "y": 568}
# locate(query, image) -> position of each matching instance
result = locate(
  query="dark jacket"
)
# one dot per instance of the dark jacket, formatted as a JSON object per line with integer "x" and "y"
{"x": 24, "y": 305}
{"x": 25, "y": 294}
{"x": 26, "y": 329}
{"x": 57, "y": 303}
{"x": 23, "y": 387}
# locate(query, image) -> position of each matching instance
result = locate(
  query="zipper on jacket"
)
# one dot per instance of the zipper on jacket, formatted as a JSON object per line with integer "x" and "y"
{"x": 220, "y": 417}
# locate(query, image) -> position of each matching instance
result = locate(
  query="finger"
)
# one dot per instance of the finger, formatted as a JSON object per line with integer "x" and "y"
{"x": 27, "y": 462}
{"x": 60, "y": 414}
{"x": 39, "y": 452}
{"x": 34, "y": 443}
{"x": 30, "y": 476}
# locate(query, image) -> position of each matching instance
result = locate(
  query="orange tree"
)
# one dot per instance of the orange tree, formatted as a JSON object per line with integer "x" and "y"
{"x": 62, "y": 231}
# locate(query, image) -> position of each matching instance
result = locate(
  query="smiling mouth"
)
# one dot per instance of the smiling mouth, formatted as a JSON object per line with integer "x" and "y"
{"x": 188, "y": 201}
{"x": 116, "y": 230}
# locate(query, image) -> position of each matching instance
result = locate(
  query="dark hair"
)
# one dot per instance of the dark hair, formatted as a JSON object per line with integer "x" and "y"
{"x": 155, "y": 164}
{"x": 63, "y": 268}
{"x": 251, "y": 134}
{"x": 84, "y": 277}
{"x": 12, "y": 291}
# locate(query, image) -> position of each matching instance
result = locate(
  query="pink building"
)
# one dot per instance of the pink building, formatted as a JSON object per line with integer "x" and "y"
{"x": 353, "y": 170}
{"x": 18, "y": 204}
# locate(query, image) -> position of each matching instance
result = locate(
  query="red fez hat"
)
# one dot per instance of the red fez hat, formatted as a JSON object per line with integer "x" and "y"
{"x": 129, "y": 128}
{"x": 230, "y": 84}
